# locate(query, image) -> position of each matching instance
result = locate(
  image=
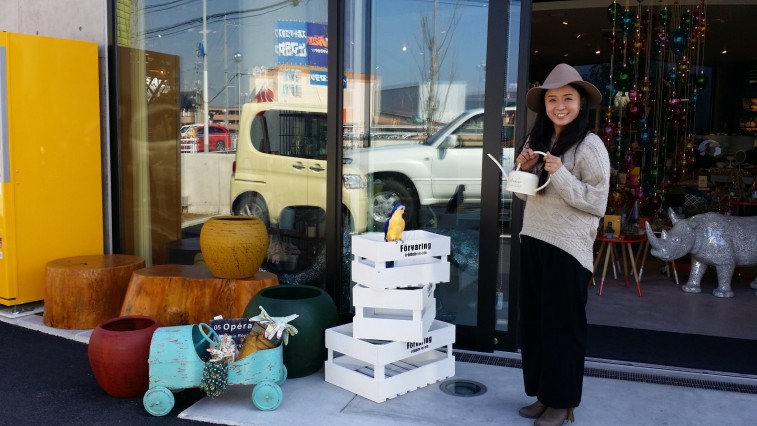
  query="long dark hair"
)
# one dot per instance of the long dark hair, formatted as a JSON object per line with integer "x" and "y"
{"x": 540, "y": 136}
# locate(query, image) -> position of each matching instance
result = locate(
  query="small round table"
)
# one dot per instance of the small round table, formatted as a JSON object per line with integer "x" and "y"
{"x": 627, "y": 254}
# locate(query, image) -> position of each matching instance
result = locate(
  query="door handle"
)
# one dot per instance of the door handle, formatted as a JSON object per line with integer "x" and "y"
{"x": 317, "y": 168}
{"x": 298, "y": 166}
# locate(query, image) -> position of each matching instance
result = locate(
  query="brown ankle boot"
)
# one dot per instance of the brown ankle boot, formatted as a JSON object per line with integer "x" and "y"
{"x": 532, "y": 411}
{"x": 555, "y": 417}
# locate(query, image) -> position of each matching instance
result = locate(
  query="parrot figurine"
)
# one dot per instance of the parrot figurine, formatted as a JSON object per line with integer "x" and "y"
{"x": 394, "y": 226}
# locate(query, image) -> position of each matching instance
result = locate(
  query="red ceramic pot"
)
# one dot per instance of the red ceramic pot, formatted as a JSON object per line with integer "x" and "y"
{"x": 118, "y": 354}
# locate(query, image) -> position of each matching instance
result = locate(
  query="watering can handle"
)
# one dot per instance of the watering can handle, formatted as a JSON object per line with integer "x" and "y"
{"x": 517, "y": 168}
{"x": 549, "y": 178}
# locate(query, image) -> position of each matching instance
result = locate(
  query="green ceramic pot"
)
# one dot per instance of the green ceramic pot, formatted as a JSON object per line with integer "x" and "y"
{"x": 306, "y": 351}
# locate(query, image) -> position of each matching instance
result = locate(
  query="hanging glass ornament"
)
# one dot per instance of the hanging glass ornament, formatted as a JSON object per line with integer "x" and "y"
{"x": 646, "y": 88}
{"x": 644, "y": 20}
{"x": 698, "y": 32}
{"x": 683, "y": 66}
{"x": 608, "y": 131}
{"x": 700, "y": 82}
{"x": 633, "y": 181}
{"x": 618, "y": 141}
{"x": 627, "y": 21}
{"x": 624, "y": 78}
{"x": 648, "y": 183}
{"x": 629, "y": 160}
{"x": 633, "y": 94}
{"x": 674, "y": 176}
{"x": 661, "y": 41}
{"x": 671, "y": 76}
{"x": 686, "y": 20}
{"x": 654, "y": 175}
{"x": 694, "y": 97}
{"x": 655, "y": 201}
{"x": 634, "y": 110}
{"x": 614, "y": 10}
{"x": 610, "y": 90}
{"x": 638, "y": 47}
{"x": 617, "y": 198}
{"x": 615, "y": 44}
{"x": 677, "y": 41}
{"x": 680, "y": 121}
{"x": 641, "y": 195}
{"x": 663, "y": 16}
{"x": 643, "y": 139}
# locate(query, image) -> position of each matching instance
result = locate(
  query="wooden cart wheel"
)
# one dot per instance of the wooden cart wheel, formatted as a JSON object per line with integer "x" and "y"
{"x": 158, "y": 401}
{"x": 283, "y": 375}
{"x": 266, "y": 395}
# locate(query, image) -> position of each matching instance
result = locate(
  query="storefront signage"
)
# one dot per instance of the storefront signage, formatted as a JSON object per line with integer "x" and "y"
{"x": 319, "y": 78}
{"x": 301, "y": 43}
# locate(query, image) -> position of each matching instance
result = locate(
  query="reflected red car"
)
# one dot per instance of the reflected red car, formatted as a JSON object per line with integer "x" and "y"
{"x": 219, "y": 139}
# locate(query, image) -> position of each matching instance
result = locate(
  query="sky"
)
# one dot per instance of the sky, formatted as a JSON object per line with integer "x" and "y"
{"x": 247, "y": 27}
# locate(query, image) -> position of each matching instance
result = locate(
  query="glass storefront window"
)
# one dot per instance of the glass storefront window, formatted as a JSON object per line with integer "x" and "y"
{"x": 415, "y": 126}
{"x": 254, "y": 74}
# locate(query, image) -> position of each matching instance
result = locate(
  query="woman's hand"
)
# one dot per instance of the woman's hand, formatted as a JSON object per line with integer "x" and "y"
{"x": 552, "y": 163}
{"x": 527, "y": 159}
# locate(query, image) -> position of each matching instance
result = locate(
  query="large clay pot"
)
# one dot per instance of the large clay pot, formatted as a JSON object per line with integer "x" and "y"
{"x": 118, "y": 352}
{"x": 233, "y": 246}
{"x": 306, "y": 351}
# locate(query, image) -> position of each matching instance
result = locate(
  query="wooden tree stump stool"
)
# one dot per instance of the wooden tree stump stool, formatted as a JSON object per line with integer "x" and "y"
{"x": 83, "y": 291}
{"x": 190, "y": 294}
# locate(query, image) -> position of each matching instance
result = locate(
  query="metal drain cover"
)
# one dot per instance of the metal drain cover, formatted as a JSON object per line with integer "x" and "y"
{"x": 462, "y": 387}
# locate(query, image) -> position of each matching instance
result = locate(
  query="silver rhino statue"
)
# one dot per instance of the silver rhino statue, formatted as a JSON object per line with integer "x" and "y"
{"x": 712, "y": 239}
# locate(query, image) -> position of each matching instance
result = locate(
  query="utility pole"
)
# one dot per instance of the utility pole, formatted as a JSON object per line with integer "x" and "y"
{"x": 225, "y": 75}
{"x": 206, "y": 127}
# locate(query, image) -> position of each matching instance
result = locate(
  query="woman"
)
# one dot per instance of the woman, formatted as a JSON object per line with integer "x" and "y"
{"x": 559, "y": 226}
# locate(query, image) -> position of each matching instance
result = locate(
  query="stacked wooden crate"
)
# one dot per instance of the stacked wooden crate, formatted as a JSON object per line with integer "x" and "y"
{"x": 394, "y": 344}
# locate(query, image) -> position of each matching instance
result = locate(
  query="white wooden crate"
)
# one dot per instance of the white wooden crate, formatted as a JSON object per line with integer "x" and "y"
{"x": 340, "y": 340}
{"x": 393, "y": 314}
{"x": 391, "y": 324}
{"x": 421, "y": 258}
{"x": 410, "y": 298}
{"x": 377, "y": 276}
{"x": 415, "y": 244}
{"x": 380, "y": 370}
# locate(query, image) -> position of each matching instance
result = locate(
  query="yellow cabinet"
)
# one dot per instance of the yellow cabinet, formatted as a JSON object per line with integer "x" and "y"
{"x": 50, "y": 162}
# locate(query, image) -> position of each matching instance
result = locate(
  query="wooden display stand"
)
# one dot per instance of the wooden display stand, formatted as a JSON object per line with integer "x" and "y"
{"x": 83, "y": 291}
{"x": 394, "y": 345}
{"x": 190, "y": 294}
{"x": 381, "y": 370}
{"x": 393, "y": 314}
{"x": 421, "y": 258}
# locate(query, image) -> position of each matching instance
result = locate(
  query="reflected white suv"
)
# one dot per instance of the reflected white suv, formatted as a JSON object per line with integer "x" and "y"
{"x": 430, "y": 172}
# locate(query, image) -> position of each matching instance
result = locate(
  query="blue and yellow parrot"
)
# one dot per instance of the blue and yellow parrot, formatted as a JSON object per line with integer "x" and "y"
{"x": 394, "y": 226}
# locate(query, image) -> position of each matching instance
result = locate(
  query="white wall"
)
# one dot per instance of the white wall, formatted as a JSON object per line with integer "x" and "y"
{"x": 206, "y": 181}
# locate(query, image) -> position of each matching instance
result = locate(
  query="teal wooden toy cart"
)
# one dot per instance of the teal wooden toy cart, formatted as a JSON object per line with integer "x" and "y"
{"x": 176, "y": 363}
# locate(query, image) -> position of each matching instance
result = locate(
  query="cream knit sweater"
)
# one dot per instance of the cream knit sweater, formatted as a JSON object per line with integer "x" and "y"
{"x": 567, "y": 214}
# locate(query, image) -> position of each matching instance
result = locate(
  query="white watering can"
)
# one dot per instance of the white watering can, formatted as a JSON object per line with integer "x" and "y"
{"x": 521, "y": 182}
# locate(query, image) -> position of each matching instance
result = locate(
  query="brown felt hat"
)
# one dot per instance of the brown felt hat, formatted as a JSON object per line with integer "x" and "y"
{"x": 560, "y": 76}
